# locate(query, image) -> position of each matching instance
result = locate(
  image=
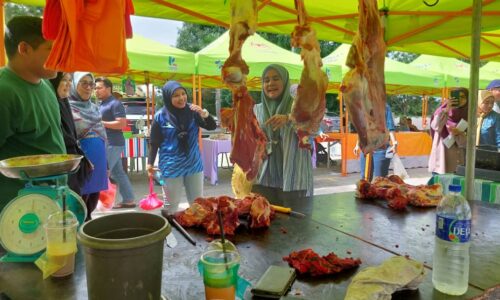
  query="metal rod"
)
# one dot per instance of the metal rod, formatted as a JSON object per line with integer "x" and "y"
{"x": 473, "y": 87}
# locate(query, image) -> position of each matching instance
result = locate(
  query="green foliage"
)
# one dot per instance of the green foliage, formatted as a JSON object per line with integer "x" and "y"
{"x": 12, "y": 10}
{"x": 283, "y": 40}
{"x": 194, "y": 37}
{"x": 404, "y": 57}
{"x": 411, "y": 105}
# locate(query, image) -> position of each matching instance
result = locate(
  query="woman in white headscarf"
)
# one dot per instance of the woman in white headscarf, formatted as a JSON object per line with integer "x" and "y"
{"x": 91, "y": 135}
{"x": 287, "y": 168}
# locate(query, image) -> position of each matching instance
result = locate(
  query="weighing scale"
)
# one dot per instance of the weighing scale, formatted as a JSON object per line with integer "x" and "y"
{"x": 21, "y": 221}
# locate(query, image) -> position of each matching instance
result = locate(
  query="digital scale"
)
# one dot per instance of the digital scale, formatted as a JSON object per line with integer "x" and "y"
{"x": 22, "y": 233}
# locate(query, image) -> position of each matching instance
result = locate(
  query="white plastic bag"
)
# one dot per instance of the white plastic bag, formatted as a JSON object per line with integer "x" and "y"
{"x": 398, "y": 167}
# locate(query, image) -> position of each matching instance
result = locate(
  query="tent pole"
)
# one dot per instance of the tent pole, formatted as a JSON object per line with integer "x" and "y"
{"x": 153, "y": 94}
{"x": 200, "y": 142}
{"x": 146, "y": 77}
{"x": 473, "y": 87}
{"x": 341, "y": 105}
{"x": 2, "y": 47}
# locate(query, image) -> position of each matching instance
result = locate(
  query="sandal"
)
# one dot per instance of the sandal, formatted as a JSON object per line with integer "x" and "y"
{"x": 124, "y": 205}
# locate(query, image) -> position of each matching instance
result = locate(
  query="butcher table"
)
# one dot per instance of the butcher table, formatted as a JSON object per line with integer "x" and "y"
{"x": 337, "y": 222}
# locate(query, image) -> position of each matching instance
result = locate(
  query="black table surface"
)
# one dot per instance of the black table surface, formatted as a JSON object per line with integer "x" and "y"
{"x": 335, "y": 223}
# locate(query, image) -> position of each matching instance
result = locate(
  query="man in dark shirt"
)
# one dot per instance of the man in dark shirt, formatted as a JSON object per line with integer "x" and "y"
{"x": 114, "y": 120}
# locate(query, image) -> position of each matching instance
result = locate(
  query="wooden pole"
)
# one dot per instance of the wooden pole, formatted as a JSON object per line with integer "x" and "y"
{"x": 2, "y": 32}
{"x": 473, "y": 87}
{"x": 341, "y": 104}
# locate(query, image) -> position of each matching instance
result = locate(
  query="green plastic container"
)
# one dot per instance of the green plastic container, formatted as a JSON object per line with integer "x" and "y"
{"x": 124, "y": 255}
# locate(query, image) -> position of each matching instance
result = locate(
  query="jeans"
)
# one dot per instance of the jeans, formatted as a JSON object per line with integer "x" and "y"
{"x": 379, "y": 164}
{"x": 113, "y": 154}
{"x": 193, "y": 185}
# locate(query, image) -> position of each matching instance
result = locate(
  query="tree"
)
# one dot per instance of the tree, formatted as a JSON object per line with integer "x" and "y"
{"x": 283, "y": 40}
{"x": 12, "y": 10}
{"x": 194, "y": 37}
{"x": 404, "y": 57}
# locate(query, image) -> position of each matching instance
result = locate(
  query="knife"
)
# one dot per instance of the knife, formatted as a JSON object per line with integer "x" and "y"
{"x": 288, "y": 210}
{"x": 177, "y": 226}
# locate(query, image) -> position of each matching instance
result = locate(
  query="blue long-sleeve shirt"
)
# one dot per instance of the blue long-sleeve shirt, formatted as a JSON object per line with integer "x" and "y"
{"x": 490, "y": 130}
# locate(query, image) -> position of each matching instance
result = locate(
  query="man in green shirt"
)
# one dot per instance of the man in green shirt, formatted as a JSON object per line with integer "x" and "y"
{"x": 30, "y": 122}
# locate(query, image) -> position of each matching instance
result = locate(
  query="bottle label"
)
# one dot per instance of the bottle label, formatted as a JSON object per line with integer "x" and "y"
{"x": 453, "y": 230}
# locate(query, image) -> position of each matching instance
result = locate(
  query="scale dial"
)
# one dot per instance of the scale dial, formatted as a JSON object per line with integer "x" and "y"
{"x": 21, "y": 223}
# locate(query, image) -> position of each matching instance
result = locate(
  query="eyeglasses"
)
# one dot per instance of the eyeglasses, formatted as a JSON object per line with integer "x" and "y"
{"x": 87, "y": 84}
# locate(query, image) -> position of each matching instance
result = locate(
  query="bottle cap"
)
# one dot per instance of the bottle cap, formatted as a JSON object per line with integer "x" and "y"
{"x": 455, "y": 188}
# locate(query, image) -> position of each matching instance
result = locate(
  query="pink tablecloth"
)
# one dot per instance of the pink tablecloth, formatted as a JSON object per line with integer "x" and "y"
{"x": 209, "y": 155}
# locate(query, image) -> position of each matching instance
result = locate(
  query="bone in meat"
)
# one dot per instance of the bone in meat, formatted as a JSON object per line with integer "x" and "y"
{"x": 248, "y": 140}
{"x": 310, "y": 104}
{"x": 363, "y": 86}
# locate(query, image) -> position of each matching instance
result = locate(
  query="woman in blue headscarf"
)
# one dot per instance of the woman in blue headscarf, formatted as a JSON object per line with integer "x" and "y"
{"x": 287, "y": 168}
{"x": 91, "y": 136}
{"x": 175, "y": 133}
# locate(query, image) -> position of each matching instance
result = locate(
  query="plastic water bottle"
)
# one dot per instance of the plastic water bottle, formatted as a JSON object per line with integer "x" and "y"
{"x": 450, "y": 273}
{"x": 159, "y": 178}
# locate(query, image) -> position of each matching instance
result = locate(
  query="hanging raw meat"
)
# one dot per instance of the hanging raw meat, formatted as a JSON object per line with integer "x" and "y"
{"x": 248, "y": 140}
{"x": 310, "y": 104}
{"x": 363, "y": 86}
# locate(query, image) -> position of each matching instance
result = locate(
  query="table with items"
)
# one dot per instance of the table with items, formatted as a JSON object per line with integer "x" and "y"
{"x": 210, "y": 156}
{"x": 337, "y": 223}
{"x": 484, "y": 190}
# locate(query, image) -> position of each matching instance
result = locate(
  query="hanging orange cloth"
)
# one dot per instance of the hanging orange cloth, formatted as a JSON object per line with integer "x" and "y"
{"x": 91, "y": 36}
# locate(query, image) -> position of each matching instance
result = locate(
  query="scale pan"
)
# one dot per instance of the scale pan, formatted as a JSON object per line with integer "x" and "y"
{"x": 33, "y": 166}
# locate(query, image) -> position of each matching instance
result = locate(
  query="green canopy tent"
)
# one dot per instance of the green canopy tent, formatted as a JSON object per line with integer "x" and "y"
{"x": 257, "y": 52}
{"x": 490, "y": 71}
{"x": 161, "y": 61}
{"x": 408, "y": 24}
{"x": 399, "y": 77}
{"x": 456, "y": 73}
{"x": 154, "y": 62}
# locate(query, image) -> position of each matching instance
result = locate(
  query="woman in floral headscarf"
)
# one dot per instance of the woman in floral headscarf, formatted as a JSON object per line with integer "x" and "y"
{"x": 444, "y": 159}
{"x": 91, "y": 135}
{"x": 287, "y": 168}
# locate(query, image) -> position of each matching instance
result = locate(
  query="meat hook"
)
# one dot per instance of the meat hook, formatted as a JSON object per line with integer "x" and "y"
{"x": 430, "y": 5}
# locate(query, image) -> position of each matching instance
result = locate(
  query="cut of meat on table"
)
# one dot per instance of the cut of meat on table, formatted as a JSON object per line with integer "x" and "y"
{"x": 309, "y": 106}
{"x": 248, "y": 140}
{"x": 308, "y": 262}
{"x": 203, "y": 213}
{"x": 363, "y": 86}
{"x": 398, "y": 193}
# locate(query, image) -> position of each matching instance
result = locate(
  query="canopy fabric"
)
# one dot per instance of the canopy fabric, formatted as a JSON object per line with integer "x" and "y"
{"x": 155, "y": 62}
{"x": 257, "y": 52}
{"x": 456, "y": 72}
{"x": 400, "y": 78}
{"x": 409, "y": 24}
{"x": 490, "y": 71}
